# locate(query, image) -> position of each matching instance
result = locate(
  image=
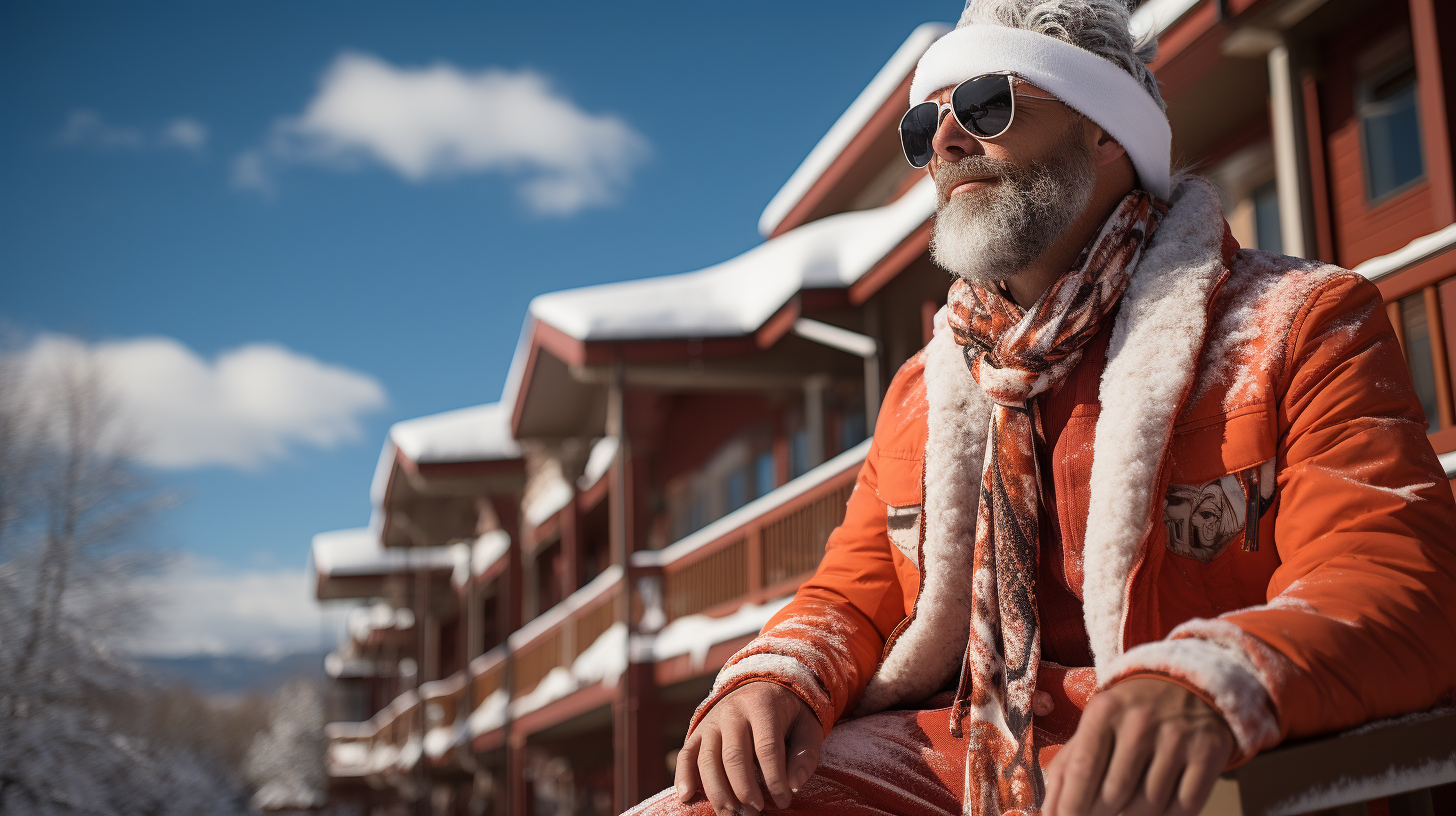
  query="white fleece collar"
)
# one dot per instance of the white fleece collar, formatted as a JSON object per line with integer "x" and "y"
{"x": 1089, "y": 84}
{"x": 1152, "y": 358}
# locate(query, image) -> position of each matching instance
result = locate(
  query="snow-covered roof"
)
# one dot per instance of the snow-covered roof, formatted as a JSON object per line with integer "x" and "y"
{"x": 1157, "y": 15}
{"x": 481, "y": 433}
{"x": 737, "y": 296}
{"x": 849, "y": 125}
{"x": 357, "y": 551}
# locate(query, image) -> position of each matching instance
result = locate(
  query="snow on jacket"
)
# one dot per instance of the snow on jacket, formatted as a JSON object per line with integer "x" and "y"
{"x": 1262, "y": 518}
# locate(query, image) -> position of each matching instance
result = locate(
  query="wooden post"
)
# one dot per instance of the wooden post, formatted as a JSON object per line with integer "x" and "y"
{"x": 1436, "y": 328}
{"x": 1428, "y": 17}
{"x": 754, "y": 552}
{"x": 622, "y": 715}
{"x": 1319, "y": 185}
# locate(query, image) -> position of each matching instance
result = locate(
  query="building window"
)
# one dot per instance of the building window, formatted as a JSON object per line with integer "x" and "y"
{"x": 1390, "y": 130}
{"x": 798, "y": 453}
{"x": 737, "y": 489}
{"x": 764, "y": 468}
{"x": 1418, "y": 354}
{"x": 1267, "y": 235}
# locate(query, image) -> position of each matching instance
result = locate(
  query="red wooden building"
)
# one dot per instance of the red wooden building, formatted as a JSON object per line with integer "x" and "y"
{"x": 552, "y": 581}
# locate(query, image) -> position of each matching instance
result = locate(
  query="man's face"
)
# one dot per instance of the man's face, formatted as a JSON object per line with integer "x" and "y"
{"x": 1002, "y": 202}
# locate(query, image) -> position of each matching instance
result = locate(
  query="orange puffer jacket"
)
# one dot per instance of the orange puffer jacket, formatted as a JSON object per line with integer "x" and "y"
{"x": 1261, "y": 517}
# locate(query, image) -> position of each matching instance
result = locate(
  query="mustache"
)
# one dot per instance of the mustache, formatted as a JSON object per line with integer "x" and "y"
{"x": 947, "y": 176}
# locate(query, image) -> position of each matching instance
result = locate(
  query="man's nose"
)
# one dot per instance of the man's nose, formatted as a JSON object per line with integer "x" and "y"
{"x": 952, "y": 143}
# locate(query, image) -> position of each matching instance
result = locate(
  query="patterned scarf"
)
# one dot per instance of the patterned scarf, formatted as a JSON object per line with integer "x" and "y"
{"x": 1015, "y": 355}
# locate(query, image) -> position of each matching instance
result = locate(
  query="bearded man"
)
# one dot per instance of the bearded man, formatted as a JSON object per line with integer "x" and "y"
{"x": 1030, "y": 607}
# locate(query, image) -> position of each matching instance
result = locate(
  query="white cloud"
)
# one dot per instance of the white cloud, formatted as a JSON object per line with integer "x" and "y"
{"x": 204, "y": 608}
{"x": 250, "y": 172}
{"x": 441, "y": 121}
{"x": 87, "y": 128}
{"x": 186, "y": 133}
{"x": 248, "y": 406}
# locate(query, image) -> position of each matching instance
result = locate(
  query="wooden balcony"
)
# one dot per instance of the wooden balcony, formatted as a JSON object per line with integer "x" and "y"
{"x": 761, "y": 551}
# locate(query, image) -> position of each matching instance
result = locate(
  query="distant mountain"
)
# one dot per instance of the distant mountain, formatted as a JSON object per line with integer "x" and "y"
{"x": 214, "y": 675}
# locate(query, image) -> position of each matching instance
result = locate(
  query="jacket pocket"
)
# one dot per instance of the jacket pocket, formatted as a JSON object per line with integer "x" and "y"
{"x": 1222, "y": 481}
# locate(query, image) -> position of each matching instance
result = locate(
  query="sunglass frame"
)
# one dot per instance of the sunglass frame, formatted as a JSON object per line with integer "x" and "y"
{"x": 1011, "y": 82}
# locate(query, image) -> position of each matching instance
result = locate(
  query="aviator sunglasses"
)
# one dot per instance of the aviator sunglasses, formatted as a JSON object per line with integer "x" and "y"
{"x": 983, "y": 106}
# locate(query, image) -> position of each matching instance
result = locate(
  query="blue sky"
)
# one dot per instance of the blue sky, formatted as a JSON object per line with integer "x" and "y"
{"x": 127, "y": 210}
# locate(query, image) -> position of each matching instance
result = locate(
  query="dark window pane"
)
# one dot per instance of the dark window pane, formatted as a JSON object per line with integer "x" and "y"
{"x": 798, "y": 453}
{"x": 1418, "y": 353}
{"x": 1267, "y": 235}
{"x": 1390, "y": 129}
{"x": 737, "y": 489}
{"x": 763, "y": 480}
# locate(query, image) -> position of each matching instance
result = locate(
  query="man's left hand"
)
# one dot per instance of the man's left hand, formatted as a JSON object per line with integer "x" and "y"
{"x": 1144, "y": 747}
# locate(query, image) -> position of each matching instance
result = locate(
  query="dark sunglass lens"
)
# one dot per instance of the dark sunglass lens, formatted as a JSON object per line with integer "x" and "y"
{"x": 917, "y": 132}
{"x": 983, "y": 105}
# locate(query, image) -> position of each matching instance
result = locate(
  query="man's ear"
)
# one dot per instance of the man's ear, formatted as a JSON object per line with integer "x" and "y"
{"x": 1106, "y": 149}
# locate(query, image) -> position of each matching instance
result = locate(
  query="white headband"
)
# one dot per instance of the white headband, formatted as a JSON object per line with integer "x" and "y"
{"x": 1089, "y": 84}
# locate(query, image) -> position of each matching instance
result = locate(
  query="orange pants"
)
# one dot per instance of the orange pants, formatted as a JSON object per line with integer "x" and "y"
{"x": 904, "y": 763}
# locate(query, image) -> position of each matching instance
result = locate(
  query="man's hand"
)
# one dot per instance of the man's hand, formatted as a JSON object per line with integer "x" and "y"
{"x": 1144, "y": 747}
{"x": 761, "y": 725}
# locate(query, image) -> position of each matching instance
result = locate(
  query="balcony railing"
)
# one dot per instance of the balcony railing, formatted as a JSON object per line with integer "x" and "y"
{"x": 760, "y": 551}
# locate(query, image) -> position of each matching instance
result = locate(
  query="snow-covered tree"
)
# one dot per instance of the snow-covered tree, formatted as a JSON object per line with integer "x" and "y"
{"x": 286, "y": 761}
{"x": 70, "y": 740}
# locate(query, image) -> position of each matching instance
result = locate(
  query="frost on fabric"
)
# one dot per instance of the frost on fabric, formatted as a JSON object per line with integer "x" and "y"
{"x": 919, "y": 662}
{"x": 1236, "y": 670}
{"x": 1151, "y": 357}
{"x": 882, "y": 750}
{"x": 807, "y": 653}
{"x": 1406, "y": 493}
{"x": 1346, "y": 790}
{"x": 1235, "y": 690}
{"x": 1252, "y": 318}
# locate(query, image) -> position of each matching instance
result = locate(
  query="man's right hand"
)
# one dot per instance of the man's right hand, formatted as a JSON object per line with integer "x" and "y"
{"x": 760, "y": 726}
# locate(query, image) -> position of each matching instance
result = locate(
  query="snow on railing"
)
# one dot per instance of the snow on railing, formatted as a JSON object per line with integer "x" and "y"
{"x": 559, "y": 613}
{"x": 1421, "y": 249}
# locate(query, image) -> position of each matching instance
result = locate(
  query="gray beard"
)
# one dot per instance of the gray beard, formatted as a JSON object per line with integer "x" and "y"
{"x": 986, "y": 236}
